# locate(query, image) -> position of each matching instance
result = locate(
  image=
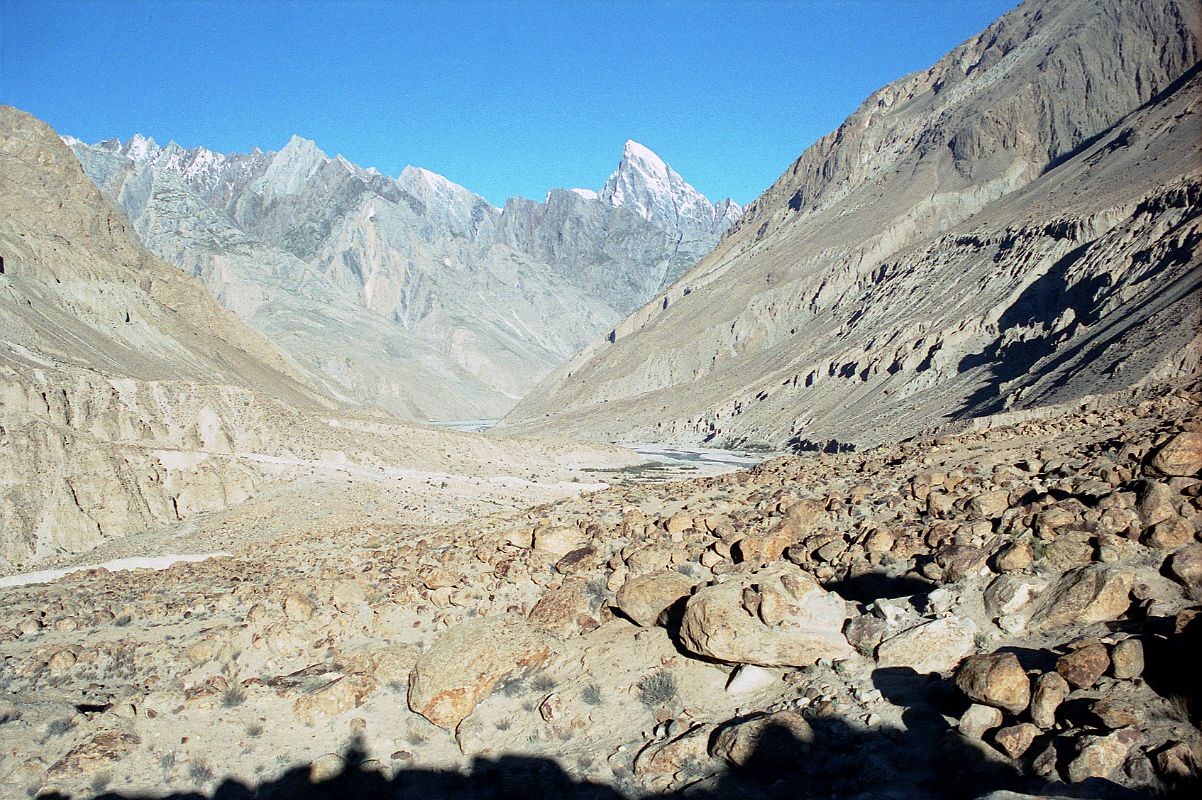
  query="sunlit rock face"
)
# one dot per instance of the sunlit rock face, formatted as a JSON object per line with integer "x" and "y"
{"x": 1013, "y": 227}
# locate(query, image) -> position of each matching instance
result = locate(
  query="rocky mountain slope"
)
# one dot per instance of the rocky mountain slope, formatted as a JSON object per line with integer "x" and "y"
{"x": 1010, "y": 609}
{"x": 131, "y": 402}
{"x": 1017, "y": 225}
{"x": 412, "y": 294}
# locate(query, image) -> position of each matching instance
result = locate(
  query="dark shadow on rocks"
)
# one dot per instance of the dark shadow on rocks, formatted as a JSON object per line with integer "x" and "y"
{"x": 926, "y": 758}
{"x": 878, "y": 585}
{"x": 1171, "y": 659}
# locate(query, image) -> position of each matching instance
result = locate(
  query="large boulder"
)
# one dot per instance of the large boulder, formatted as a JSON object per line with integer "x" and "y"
{"x": 336, "y": 697}
{"x": 995, "y": 679}
{"x": 645, "y": 598}
{"x": 774, "y": 616}
{"x": 767, "y": 743}
{"x": 1179, "y": 456}
{"x": 1083, "y": 596}
{"x": 466, "y": 661}
{"x": 934, "y": 646}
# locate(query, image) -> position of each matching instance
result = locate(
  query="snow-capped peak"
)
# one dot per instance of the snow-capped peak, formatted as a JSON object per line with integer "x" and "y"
{"x": 645, "y": 184}
{"x": 140, "y": 148}
{"x": 642, "y": 158}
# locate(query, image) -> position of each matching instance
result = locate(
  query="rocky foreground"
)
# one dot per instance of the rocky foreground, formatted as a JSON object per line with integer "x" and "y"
{"x": 1005, "y": 609}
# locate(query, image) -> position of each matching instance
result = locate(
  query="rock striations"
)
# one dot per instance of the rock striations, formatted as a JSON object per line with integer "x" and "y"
{"x": 1016, "y": 226}
{"x": 412, "y": 294}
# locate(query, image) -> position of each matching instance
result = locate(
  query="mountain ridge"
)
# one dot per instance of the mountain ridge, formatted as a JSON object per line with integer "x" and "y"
{"x": 784, "y": 334}
{"x": 468, "y": 305}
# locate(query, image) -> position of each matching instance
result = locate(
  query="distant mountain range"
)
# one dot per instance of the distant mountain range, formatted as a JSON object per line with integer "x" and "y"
{"x": 412, "y": 293}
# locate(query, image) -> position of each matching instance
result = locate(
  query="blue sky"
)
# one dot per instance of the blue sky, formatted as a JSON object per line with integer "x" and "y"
{"x": 506, "y": 98}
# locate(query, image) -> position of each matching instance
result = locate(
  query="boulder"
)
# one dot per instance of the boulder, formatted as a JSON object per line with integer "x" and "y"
{"x": 1179, "y": 456}
{"x": 1083, "y": 596}
{"x": 978, "y": 720}
{"x": 557, "y": 541}
{"x": 1102, "y": 756}
{"x": 995, "y": 679}
{"x": 1082, "y": 667}
{"x": 1185, "y": 565}
{"x": 1156, "y": 503}
{"x": 1016, "y": 740}
{"x": 769, "y": 743}
{"x": 336, "y": 697}
{"x": 761, "y": 548}
{"x": 646, "y": 597}
{"x": 774, "y": 616}
{"x": 466, "y": 661}
{"x": 1050, "y": 691}
{"x": 567, "y": 609}
{"x": 989, "y": 505}
{"x": 934, "y": 646}
{"x": 1169, "y": 534}
{"x": 1127, "y": 659}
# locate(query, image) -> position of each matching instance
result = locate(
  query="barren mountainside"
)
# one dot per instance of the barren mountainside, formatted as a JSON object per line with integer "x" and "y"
{"x": 1016, "y": 226}
{"x": 413, "y": 294}
{"x": 131, "y": 402}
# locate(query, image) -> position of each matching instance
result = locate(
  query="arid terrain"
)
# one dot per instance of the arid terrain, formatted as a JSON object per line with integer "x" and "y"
{"x": 1005, "y": 608}
{"x": 954, "y": 549}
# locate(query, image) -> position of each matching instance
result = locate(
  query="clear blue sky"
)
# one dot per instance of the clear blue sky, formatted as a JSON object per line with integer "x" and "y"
{"x": 506, "y": 98}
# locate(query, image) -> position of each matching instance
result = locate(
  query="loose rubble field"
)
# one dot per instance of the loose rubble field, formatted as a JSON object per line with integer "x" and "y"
{"x": 1007, "y": 609}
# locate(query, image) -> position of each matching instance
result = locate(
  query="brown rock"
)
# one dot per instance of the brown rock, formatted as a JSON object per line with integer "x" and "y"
{"x": 1015, "y": 740}
{"x": 98, "y": 751}
{"x": 646, "y": 597}
{"x": 1115, "y": 714}
{"x": 1156, "y": 503}
{"x": 765, "y": 547}
{"x": 1102, "y": 756}
{"x": 1178, "y": 761}
{"x": 1169, "y": 534}
{"x": 466, "y": 661}
{"x": 1127, "y": 659}
{"x": 336, "y": 697}
{"x": 1050, "y": 691}
{"x": 989, "y": 505}
{"x": 960, "y": 561}
{"x": 769, "y": 742}
{"x": 995, "y": 679}
{"x": 564, "y": 610}
{"x": 978, "y": 720}
{"x": 1185, "y": 565}
{"x": 865, "y": 632}
{"x": 775, "y": 616}
{"x": 1181, "y": 455}
{"x": 1015, "y": 557}
{"x": 1083, "y": 667}
{"x": 1083, "y": 596}
{"x": 579, "y": 560}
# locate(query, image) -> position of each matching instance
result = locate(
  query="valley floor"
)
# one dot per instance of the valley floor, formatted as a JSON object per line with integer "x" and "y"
{"x": 1004, "y": 609}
